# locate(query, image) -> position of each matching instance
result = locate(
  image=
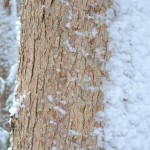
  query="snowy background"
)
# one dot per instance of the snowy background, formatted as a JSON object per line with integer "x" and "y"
{"x": 127, "y": 94}
{"x": 9, "y": 43}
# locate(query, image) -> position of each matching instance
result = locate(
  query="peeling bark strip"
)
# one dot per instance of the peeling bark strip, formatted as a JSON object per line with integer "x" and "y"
{"x": 62, "y": 57}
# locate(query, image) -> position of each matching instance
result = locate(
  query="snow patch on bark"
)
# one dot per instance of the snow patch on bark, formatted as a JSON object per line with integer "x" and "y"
{"x": 98, "y": 132}
{"x": 70, "y": 48}
{"x": 54, "y": 148}
{"x": 73, "y": 133}
{"x": 61, "y": 110}
{"x": 50, "y": 98}
{"x": 68, "y": 24}
{"x": 2, "y": 86}
{"x": 52, "y": 123}
{"x": 69, "y": 17}
{"x": 94, "y": 32}
{"x": 82, "y": 34}
{"x": 84, "y": 53}
{"x": 99, "y": 116}
{"x": 65, "y": 2}
{"x": 18, "y": 104}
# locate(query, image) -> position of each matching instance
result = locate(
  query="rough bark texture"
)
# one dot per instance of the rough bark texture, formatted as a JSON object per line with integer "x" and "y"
{"x": 62, "y": 57}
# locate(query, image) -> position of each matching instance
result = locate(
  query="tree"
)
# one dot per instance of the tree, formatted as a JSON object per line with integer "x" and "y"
{"x": 62, "y": 56}
{"x": 8, "y": 53}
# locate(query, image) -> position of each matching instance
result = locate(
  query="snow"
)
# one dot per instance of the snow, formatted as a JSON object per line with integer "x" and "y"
{"x": 52, "y": 123}
{"x": 10, "y": 148}
{"x": 98, "y": 18}
{"x": 84, "y": 53}
{"x": 18, "y": 104}
{"x": 18, "y": 30}
{"x": 2, "y": 86}
{"x": 8, "y": 44}
{"x": 12, "y": 75}
{"x": 43, "y": 6}
{"x": 98, "y": 132}
{"x": 69, "y": 17}
{"x": 10, "y": 82}
{"x": 61, "y": 110}
{"x": 99, "y": 116}
{"x": 127, "y": 93}
{"x": 65, "y": 2}
{"x": 94, "y": 32}
{"x": 82, "y": 34}
{"x": 54, "y": 148}
{"x": 50, "y": 98}
{"x": 99, "y": 51}
{"x": 9, "y": 102}
{"x": 70, "y": 48}
{"x": 4, "y": 135}
{"x": 93, "y": 89}
{"x": 73, "y": 133}
{"x": 68, "y": 24}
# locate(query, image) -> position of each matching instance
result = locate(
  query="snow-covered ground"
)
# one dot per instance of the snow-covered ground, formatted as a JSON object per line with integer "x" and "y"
{"x": 127, "y": 94}
{"x": 4, "y": 135}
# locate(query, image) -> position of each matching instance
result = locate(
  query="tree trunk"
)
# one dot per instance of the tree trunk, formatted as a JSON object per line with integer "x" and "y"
{"x": 62, "y": 57}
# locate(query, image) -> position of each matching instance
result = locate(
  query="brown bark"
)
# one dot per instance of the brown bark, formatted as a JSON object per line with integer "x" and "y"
{"x": 61, "y": 72}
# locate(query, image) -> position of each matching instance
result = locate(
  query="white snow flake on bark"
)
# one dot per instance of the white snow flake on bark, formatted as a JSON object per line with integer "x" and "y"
{"x": 8, "y": 44}
{"x": 50, "y": 98}
{"x": 70, "y": 48}
{"x": 98, "y": 132}
{"x": 52, "y": 123}
{"x": 18, "y": 104}
{"x": 2, "y": 86}
{"x": 68, "y": 24}
{"x": 61, "y": 110}
{"x": 73, "y": 133}
{"x": 94, "y": 32}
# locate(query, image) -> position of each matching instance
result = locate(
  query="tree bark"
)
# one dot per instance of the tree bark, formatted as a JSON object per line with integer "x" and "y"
{"x": 62, "y": 58}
